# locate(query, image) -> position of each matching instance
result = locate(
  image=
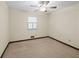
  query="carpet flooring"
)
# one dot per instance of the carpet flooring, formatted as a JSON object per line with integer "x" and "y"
{"x": 40, "y": 48}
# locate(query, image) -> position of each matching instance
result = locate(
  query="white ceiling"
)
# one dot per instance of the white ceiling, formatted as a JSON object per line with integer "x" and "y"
{"x": 33, "y": 6}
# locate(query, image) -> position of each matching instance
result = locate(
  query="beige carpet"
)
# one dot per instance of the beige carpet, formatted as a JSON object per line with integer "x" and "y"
{"x": 40, "y": 48}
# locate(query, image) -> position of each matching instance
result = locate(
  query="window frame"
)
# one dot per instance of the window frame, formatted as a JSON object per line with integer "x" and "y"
{"x": 32, "y": 28}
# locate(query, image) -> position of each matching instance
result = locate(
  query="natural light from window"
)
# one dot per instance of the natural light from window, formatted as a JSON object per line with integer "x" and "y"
{"x": 32, "y": 23}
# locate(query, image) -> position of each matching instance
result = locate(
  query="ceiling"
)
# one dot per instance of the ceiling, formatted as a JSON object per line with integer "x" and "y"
{"x": 33, "y": 5}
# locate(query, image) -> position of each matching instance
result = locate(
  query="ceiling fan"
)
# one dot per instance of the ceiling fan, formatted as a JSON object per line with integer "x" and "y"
{"x": 44, "y": 6}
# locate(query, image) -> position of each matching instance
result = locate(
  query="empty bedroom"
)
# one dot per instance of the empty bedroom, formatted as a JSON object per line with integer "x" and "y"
{"x": 39, "y": 29}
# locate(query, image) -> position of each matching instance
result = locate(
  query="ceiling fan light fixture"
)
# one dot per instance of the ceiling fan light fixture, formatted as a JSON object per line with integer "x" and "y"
{"x": 43, "y": 9}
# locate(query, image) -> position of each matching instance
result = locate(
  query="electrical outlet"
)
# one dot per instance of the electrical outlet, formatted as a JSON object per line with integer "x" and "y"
{"x": 32, "y": 37}
{"x": 69, "y": 40}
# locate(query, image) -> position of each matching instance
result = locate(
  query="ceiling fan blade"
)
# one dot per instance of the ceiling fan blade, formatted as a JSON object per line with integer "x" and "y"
{"x": 52, "y": 7}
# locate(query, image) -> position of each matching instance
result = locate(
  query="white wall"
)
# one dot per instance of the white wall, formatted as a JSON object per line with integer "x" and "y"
{"x": 18, "y": 26}
{"x": 64, "y": 25}
{"x": 4, "y": 26}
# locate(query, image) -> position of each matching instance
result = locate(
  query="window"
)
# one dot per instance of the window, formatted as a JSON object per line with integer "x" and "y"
{"x": 32, "y": 23}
